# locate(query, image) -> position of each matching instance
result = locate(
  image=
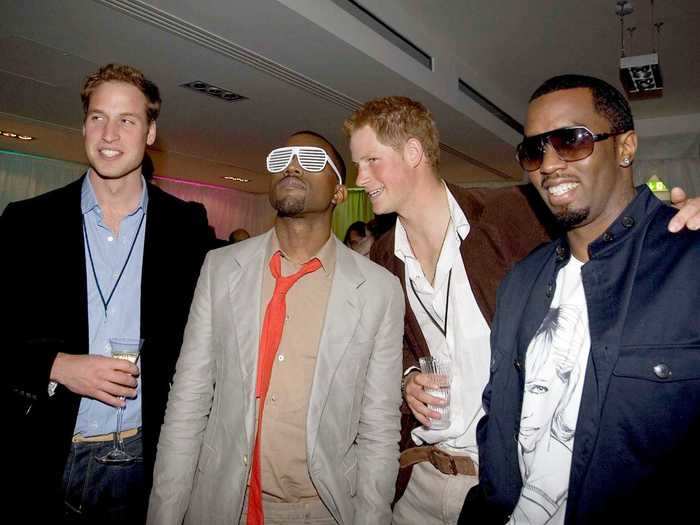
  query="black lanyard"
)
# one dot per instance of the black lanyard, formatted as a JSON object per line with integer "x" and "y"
{"x": 443, "y": 329}
{"x": 92, "y": 263}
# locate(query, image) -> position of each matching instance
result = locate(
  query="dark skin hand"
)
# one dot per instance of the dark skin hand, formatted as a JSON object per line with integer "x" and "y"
{"x": 688, "y": 214}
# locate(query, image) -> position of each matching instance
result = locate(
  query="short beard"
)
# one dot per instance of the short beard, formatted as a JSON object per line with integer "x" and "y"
{"x": 289, "y": 206}
{"x": 569, "y": 219}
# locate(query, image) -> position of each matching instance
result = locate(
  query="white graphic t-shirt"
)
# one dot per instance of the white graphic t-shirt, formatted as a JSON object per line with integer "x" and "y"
{"x": 555, "y": 367}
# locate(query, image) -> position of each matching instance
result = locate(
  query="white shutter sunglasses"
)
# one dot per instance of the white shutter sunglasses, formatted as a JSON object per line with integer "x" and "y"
{"x": 310, "y": 158}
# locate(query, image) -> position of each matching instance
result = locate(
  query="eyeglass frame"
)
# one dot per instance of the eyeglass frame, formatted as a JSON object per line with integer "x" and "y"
{"x": 295, "y": 152}
{"x": 543, "y": 139}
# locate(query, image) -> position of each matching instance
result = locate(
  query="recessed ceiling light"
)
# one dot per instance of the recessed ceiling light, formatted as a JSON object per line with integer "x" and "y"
{"x": 235, "y": 179}
{"x": 14, "y": 135}
{"x": 213, "y": 91}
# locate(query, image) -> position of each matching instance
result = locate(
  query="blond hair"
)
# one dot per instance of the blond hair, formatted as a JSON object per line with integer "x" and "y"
{"x": 128, "y": 75}
{"x": 396, "y": 120}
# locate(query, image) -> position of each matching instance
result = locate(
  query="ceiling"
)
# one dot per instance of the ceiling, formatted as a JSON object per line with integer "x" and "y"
{"x": 306, "y": 64}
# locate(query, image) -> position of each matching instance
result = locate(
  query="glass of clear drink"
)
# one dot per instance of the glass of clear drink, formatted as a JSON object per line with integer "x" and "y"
{"x": 439, "y": 375}
{"x": 129, "y": 349}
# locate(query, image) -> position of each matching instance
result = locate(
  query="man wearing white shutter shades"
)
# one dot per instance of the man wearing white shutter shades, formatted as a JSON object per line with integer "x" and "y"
{"x": 285, "y": 406}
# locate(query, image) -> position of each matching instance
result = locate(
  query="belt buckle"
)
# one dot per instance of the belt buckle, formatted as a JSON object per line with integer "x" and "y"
{"x": 436, "y": 455}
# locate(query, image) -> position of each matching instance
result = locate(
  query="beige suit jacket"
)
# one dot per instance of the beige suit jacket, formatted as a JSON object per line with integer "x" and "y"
{"x": 353, "y": 421}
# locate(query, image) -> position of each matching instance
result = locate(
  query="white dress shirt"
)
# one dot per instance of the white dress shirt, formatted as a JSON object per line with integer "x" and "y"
{"x": 467, "y": 342}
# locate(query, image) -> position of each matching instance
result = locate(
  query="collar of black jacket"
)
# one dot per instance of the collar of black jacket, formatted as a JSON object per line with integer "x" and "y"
{"x": 635, "y": 215}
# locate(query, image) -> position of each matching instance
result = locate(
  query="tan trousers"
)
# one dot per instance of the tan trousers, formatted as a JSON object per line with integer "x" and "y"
{"x": 432, "y": 498}
{"x": 313, "y": 512}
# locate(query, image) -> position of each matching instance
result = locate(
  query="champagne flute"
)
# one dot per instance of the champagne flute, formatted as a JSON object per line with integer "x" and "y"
{"x": 130, "y": 350}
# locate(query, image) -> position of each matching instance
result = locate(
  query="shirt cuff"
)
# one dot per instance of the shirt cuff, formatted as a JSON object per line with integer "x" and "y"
{"x": 410, "y": 369}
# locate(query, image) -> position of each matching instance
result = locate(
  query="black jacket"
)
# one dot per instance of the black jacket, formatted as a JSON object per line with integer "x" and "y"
{"x": 43, "y": 311}
{"x": 635, "y": 454}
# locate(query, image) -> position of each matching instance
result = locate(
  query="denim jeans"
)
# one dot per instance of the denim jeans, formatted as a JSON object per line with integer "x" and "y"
{"x": 104, "y": 494}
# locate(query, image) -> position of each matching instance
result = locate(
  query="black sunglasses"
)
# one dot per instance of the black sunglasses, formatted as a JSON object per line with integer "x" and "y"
{"x": 571, "y": 144}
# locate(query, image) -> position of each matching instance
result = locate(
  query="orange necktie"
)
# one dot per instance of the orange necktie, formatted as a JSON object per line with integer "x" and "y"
{"x": 270, "y": 338}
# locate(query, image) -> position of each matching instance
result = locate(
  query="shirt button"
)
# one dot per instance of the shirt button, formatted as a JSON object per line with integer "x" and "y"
{"x": 273, "y": 397}
{"x": 110, "y": 238}
{"x": 628, "y": 222}
{"x": 115, "y": 275}
{"x": 286, "y": 317}
{"x": 245, "y": 460}
{"x": 607, "y": 237}
{"x": 280, "y": 358}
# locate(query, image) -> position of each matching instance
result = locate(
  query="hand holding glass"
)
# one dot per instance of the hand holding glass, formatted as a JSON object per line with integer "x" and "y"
{"x": 439, "y": 375}
{"x": 130, "y": 350}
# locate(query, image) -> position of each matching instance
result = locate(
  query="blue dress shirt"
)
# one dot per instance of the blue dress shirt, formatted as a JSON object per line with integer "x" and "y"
{"x": 122, "y": 318}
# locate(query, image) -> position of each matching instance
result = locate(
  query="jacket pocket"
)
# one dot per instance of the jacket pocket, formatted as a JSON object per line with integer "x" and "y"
{"x": 652, "y": 407}
{"x": 660, "y": 364}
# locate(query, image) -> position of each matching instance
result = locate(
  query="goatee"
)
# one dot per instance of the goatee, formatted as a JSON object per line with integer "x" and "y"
{"x": 569, "y": 219}
{"x": 288, "y": 206}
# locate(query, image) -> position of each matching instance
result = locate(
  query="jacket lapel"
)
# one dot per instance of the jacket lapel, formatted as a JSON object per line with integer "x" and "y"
{"x": 244, "y": 292}
{"x": 413, "y": 335}
{"x": 342, "y": 317}
{"x": 154, "y": 247}
{"x": 76, "y": 267}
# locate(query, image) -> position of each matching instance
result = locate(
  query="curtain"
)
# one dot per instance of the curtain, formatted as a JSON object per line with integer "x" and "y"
{"x": 23, "y": 176}
{"x": 355, "y": 208}
{"x": 227, "y": 209}
{"x": 675, "y": 159}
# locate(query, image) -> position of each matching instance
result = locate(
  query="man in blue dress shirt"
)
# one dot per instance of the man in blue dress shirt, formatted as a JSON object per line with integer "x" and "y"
{"x": 108, "y": 256}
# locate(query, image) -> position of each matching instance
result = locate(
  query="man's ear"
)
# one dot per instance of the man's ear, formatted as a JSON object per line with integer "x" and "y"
{"x": 341, "y": 193}
{"x": 626, "y": 148}
{"x": 151, "y": 137}
{"x": 413, "y": 152}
